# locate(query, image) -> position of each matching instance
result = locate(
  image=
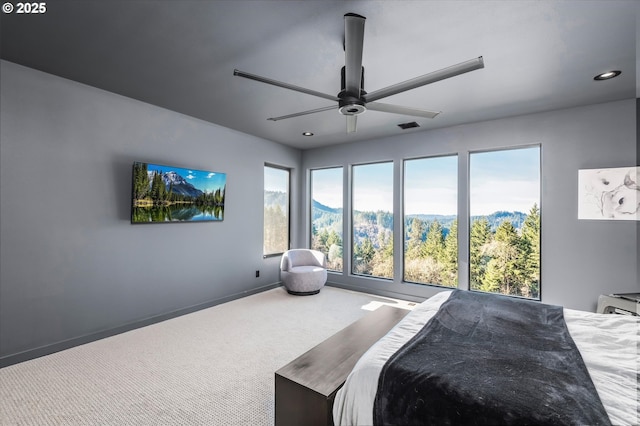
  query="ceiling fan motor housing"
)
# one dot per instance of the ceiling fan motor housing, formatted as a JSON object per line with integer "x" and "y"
{"x": 351, "y": 103}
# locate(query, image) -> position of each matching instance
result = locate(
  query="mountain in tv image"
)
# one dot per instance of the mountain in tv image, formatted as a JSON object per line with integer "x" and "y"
{"x": 177, "y": 183}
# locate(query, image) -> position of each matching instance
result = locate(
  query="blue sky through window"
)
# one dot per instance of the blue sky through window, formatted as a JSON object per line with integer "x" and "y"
{"x": 498, "y": 181}
{"x": 373, "y": 187}
{"x": 431, "y": 186}
{"x": 327, "y": 187}
{"x": 276, "y": 179}
{"x": 505, "y": 180}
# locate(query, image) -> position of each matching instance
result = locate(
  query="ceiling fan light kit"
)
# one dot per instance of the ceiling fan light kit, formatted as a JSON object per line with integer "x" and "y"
{"x": 353, "y": 100}
{"x": 351, "y": 107}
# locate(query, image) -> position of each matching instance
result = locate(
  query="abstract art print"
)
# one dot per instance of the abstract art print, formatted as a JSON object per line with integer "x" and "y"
{"x": 609, "y": 194}
{"x": 173, "y": 194}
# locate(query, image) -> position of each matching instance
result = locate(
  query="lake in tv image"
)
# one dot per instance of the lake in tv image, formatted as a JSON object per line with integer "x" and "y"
{"x": 173, "y": 194}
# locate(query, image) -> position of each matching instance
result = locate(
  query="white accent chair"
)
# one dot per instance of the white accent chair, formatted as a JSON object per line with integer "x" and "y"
{"x": 303, "y": 271}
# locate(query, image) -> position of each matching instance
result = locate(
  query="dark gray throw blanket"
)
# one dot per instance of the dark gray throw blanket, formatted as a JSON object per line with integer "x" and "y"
{"x": 487, "y": 359}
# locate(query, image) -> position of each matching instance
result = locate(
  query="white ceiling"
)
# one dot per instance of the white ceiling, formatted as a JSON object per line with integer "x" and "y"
{"x": 180, "y": 55}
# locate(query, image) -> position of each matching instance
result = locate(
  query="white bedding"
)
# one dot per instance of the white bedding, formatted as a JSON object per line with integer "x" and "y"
{"x": 609, "y": 345}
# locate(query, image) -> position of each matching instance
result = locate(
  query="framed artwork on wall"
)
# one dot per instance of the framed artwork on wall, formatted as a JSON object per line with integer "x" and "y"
{"x": 173, "y": 194}
{"x": 609, "y": 194}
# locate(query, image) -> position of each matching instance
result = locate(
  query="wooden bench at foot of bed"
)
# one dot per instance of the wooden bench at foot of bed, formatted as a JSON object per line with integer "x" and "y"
{"x": 307, "y": 386}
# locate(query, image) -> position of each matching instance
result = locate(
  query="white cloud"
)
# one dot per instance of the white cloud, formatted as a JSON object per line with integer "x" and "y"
{"x": 373, "y": 199}
{"x": 438, "y": 200}
{"x": 509, "y": 195}
{"x": 330, "y": 198}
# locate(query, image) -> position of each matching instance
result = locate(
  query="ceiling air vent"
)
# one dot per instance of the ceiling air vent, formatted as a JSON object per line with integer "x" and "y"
{"x": 405, "y": 126}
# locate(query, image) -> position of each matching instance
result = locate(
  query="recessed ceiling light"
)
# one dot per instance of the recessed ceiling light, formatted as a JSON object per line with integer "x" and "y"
{"x": 607, "y": 75}
{"x": 307, "y": 134}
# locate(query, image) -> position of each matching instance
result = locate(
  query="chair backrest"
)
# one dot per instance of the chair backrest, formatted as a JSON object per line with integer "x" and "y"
{"x": 302, "y": 257}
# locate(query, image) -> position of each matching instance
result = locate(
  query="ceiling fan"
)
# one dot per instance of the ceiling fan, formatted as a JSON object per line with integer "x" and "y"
{"x": 352, "y": 99}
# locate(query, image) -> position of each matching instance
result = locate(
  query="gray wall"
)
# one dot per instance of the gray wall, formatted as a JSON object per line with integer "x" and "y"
{"x": 72, "y": 267}
{"x": 580, "y": 259}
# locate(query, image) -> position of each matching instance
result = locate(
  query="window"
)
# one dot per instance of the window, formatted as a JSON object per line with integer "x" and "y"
{"x": 504, "y": 200}
{"x": 431, "y": 221}
{"x": 326, "y": 215}
{"x": 276, "y": 210}
{"x": 372, "y": 220}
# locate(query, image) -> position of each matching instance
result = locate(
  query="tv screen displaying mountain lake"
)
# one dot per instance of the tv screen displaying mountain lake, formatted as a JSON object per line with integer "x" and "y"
{"x": 173, "y": 194}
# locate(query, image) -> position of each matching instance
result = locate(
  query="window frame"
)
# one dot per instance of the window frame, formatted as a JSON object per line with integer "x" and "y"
{"x": 351, "y": 220}
{"x": 310, "y": 234}
{"x": 454, "y": 156}
{"x": 538, "y": 204}
{"x": 288, "y": 210}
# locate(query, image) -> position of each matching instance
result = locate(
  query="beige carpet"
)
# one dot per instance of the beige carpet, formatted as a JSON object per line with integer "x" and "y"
{"x": 211, "y": 367}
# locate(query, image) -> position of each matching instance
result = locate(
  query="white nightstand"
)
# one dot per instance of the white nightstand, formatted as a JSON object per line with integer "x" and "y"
{"x": 626, "y": 304}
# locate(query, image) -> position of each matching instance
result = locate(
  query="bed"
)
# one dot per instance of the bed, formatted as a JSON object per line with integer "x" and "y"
{"x": 598, "y": 378}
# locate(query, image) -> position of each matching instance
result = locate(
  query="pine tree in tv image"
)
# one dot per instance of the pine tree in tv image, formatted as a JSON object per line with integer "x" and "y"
{"x": 172, "y": 194}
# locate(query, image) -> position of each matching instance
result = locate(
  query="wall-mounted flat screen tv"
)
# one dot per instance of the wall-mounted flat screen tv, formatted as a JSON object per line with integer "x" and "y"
{"x": 172, "y": 194}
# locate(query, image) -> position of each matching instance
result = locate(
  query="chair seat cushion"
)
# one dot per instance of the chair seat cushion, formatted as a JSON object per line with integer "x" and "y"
{"x": 305, "y": 269}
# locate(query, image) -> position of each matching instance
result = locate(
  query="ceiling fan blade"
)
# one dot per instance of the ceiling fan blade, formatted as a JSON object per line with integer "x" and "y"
{"x": 442, "y": 74}
{"x": 395, "y": 109}
{"x": 352, "y": 123}
{"x": 353, "y": 42}
{"x": 298, "y": 114}
{"x": 284, "y": 85}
